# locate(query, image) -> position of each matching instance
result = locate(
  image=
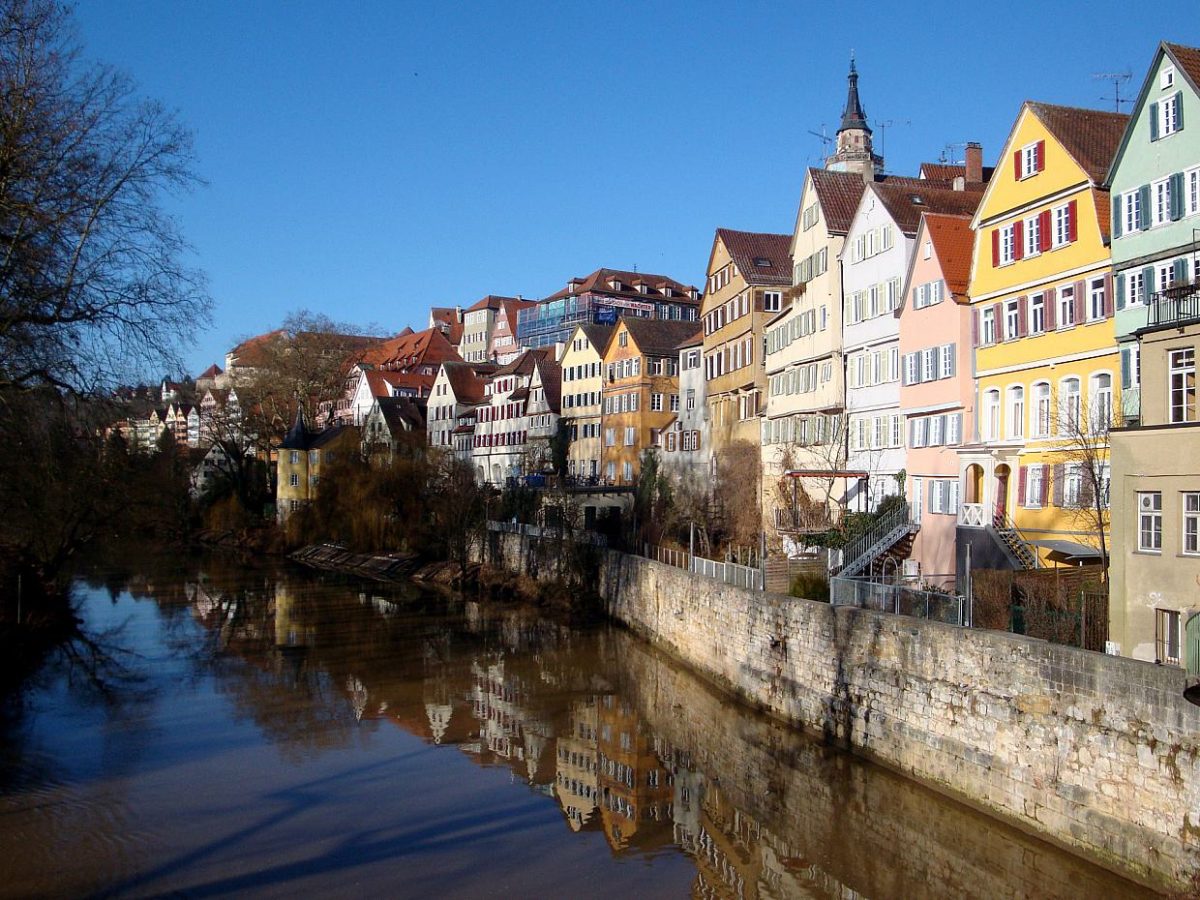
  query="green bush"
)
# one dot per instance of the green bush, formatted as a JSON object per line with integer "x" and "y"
{"x": 811, "y": 586}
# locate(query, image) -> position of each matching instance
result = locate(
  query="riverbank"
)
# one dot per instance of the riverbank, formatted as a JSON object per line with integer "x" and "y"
{"x": 1096, "y": 753}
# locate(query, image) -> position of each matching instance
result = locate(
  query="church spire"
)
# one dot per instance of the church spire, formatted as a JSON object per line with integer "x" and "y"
{"x": 853, "y": 115}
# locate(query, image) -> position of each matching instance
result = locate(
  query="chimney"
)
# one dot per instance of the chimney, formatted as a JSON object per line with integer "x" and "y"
{"x": 974, "y": 163}
{"x": 868, "y": 172}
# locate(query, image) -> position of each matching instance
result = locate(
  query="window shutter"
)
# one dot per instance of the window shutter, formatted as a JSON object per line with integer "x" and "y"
{"x": 1049, "y": 309}
{"x": 975, "y": 327}
{"x": 1018, "y": 239}
{"x": 1144, "y": 207}
{"x": 1045, "y": 487}
{"x": 1108, "y": 295}
{"x": 1120, "y": 291}
{"x": 952, "y": 506}
{"x": 1126, "y": 369}
{"x": 952, "y": 356}
{"x": 1017, "y": 165}
{"x": 1154, "y": 121}
{"x": 997, "y": 322}
{"x": 1080, "y": 303}
{"x": 995, "y": 247}
{"x": 937, "y": 363}
{"x": 1086, "y": 494}
{"x": 1041, "y": 156}
{"x": 1072, "y": 220}
{"x": 1022, "y": 316}
{"x": 1147, "y": 283}
{"x": 1176, "y": 196}
{"x": 1116, "y": 216}
{"x": 1179, "y": 111}
{"x": 1181, "y": 272}
{"x": 1022, "y": 475}
{"x": 1045, "y": 238}
{"x": 1058, "y": 485}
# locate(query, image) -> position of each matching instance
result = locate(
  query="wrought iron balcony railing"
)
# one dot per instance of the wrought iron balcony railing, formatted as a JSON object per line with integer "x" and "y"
{"x": 1177, "y": 305}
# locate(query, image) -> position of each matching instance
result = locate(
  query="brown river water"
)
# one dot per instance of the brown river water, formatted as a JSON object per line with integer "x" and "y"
{"x": 261, "y": 732}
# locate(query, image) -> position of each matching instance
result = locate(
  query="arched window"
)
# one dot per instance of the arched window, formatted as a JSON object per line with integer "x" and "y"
{"x": 1016, "y": 411}
{"x": 1100, "y": 396}
{"x": 991, "y": 414}
{"x": 1069, "y": 421}
{"x": 1042, "y": 410}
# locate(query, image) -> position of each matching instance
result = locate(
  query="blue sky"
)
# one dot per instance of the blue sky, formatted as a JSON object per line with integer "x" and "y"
{"x": 370, "y": 160}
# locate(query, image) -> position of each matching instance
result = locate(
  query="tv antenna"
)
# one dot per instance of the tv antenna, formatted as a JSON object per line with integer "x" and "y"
{"x": 948, "y": 157}
{"x": 883, "y": 127}
{"x": 1116, "y": 78}
{"x": 825, "y": 139}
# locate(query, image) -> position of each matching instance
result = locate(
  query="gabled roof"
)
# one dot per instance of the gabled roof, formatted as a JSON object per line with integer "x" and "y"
{"x": 382, "y": 382}
{"x": 212, "y": 371}
{"x": 905, "y": 203}
{"x": 657, "y": 337}
{"x": 947, "y": 172}
{"x": 838, "y": 193}
{"x": 598, "y": 335}
{"x": 695, "y": 340}
{"x": 402, "y": 414}
{"x": 523, "y": 364}
{"x": 1090, "y": 136}
{"x": 468, "y": 380}
{"x": 550, "y": 374}
{"x": 761, "y": 258}
{"x": 491, "y": 301}
{"x": 954, "y": 243}
{"x": 1187, "y": 63}
{"x": 661, "y": 286}
{"x": 409, "y": 348}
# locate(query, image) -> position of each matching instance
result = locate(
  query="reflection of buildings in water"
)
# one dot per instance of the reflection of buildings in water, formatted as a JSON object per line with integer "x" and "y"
{"x": 685, "y": 807}
{"x": 576, "y": 765}
{"x": 506, "y": 728}
{"x": 439, "y": 715}
{"x": 358, "y": 695}
{"x": 634, "y": 789}
{"x": 381, "y": 605}
{"x": 290, "y": 629}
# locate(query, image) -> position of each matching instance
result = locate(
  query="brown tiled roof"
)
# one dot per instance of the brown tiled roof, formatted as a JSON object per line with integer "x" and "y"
{"x": 598, "y": 335}
{"x": 656, "y": 337}
{"x": 402, "y": 414}
{"x": 694, "y": 341}
{"x": 954, "y": 244}
{"x": 522, "y": 365}
{"x": 491, "y": 301}
{"x": 749, "y": 248}
{"x": 905, "y": 201}
{"x": 381, "y": 382}
{"x": 422, "y": 347}
{"x": 1103, "y": 212}
{"x": 1091, "y": 136}
{"x": 551, "y": 373}
{"x": 598, "y": 282}
{"x": 452, "y": 319}
{"x": 212, "y": 371}
{"x": 468, "y": 380}
{"x": 252, "y": 351}
{"x": 948, "y": 172}
{"x": 838, "y": 193}
{"x": 1188, "y": 59}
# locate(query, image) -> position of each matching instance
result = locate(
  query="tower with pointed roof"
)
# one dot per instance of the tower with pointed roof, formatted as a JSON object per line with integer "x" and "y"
{"x": 854, "y": 148}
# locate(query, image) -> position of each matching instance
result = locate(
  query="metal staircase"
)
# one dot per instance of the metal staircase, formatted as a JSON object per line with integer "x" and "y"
{"x": 1013, "y": 542}
{"x": 883, "y": 535}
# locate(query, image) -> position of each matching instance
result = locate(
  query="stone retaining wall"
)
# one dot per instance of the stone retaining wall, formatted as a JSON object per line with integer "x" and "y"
{"x": 1097, "y": 752}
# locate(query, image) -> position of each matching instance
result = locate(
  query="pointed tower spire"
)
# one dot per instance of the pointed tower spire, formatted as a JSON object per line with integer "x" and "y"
{"x": 853, "y": 115}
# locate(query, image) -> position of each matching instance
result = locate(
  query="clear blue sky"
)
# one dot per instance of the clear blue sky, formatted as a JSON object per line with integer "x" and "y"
{"x": 370, "y": 160}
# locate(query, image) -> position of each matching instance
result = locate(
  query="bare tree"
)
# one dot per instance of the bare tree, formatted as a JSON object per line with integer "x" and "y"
{"x": 93, "y": 285}
{"x": 1081, "y": 473}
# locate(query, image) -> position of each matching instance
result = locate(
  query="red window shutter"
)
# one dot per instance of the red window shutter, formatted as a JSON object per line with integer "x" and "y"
{"x": 1080, "y": 302}
{"x": 1018, "y": 239}
{"x": 1044, "y": 238}
{"x": 1022, "y": 474}
{"x": 1023, "y": 316}
{"x": 1041, "y": 156}
{"x": 995, "y": 247}
{"x": 1017, "y": 165}
{"x": 1108, "y": 295}
{"x": 1045, "y": 487}
{"x": 1072, "y": 219}
{"x": 997, "y": 322}
{"x": 1050, "y": 309}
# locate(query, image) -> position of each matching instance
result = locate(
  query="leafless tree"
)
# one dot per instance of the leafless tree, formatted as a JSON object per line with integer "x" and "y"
{"x": 1082, "y": 451}
{"x": 94, "y": 288}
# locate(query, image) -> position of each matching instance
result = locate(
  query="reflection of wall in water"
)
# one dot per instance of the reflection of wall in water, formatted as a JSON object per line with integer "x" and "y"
{"x": 575, "y": 778}
{"x": 635, "y": 789}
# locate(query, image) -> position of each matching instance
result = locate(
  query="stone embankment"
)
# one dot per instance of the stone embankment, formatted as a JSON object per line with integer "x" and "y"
{"x": 1098, "y": 753}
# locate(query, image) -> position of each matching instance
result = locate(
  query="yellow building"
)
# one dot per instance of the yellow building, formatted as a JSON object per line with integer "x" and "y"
{"x": 1046, "y": 360}
{"x": 641, "y": 391}
{"x": 302, "y": 454}
{"x": 748, "y": 274}
{"x": 582, "y": 392}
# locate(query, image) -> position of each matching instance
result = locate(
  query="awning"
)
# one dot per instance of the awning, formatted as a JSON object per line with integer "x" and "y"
{"x": 1068, "y": 550}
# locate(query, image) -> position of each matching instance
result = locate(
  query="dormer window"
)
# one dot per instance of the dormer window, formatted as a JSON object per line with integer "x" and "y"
{"x": 762, "y": 262}
{"x": 1166, "y": 80}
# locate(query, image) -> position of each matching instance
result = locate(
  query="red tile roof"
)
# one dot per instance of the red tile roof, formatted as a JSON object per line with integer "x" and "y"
{"x": 694, "y": 341}
{"x": 468, "y": 380}
{"x": 656, "y": 337}
{"x": 551, "y": 373}
{"x": 760, "y": 258}
{"x": 905, "y": 201}
{"x": 954, "y": 244}
{"x": 1091, "y": 136}
{"x": 212, "y": 371}
{"x": 491, "y": 301}
{"x": 409, "y": 348}
{"x": 948, "y": 172}
{"x": 1187, "y": 59}
{"x": 839, "y": 193}
{"x": 660, "y": 286}
{"x": 382, "y": 382}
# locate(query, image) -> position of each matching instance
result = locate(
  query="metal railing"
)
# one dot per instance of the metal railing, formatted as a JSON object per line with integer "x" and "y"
{"x": 797, "y": 520}
{"x": 1175, "y": 305}
{"x": 899, "y": 599}
{"x": 552, "y": 532}
{"x": 874, "y": 540}
{"x": 729, "y": 572}
{"x": 971, "y": 515}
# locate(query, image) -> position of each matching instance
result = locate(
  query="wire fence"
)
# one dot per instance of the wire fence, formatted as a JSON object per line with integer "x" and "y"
{"x": 898, "y": 598}
{"x": 728, "y": 572}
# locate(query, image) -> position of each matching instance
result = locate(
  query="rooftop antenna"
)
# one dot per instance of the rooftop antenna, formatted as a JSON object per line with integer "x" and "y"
{"x": 825, "y": 139}
{"x": 948, "y": 156}
{"x": 883, "y": 127}
{"x": 1116, "y": 78}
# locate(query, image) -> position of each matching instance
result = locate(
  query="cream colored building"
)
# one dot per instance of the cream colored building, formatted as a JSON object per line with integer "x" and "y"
{"x": 748, "y": 274}
{"x": 582, "y": 395}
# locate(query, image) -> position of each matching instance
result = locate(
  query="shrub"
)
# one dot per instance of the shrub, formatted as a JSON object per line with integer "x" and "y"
{"x": 811, "y": 586}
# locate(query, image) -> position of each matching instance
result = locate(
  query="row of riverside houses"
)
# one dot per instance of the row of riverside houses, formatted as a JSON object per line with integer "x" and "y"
{"x": 997, "y": 347}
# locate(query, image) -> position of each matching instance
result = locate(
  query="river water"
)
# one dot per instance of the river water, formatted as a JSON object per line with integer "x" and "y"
{"x": 230, "y": 730}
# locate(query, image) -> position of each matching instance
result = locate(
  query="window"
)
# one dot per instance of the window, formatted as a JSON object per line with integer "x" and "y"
{"x": 656, "y": 402}
{"x": 1035, "y": 481}
{"x": 1072, "y": 484}
{"x": 947, "y": 360}
{"x": 1131, "y": 367}
{"x": 1166, "y": 636}
{"x": 295, "y": 457}
{"x": 294, "y": 481}
{"x": 1191, "y": 192}
{"x": 1131, "y": 205}
{"x": 610, "y": 437}
{"x": 627, "y": 471}
{"x": 1096, "y": 300}
{"x": 772, "y": 301}
{"x": 1069, "y": 411}
{"x": 1008, "y": 244}
{"x": 1182, "y": 379}
{"x": 1135, "y": 287}
{"x": 1033, "y": 236}
{"x": 623, "y": 339}
{"x": 1016, "y": 412}
{"x": 1101, "y": 393}
{"x": 1160, "y": 202}
{"x": 630, "y": 435}
{"x": 1029, "y": 159}
{"x": 1166, "y": 78}
{"x": 1150, "y": 521}
{"x": 1012, "y": 320}
{"x": 1037, "y": 314}
{"x": 988, "y": 331}
{"x": 1066, "y": 306}
{"x": 674, "y": 403}
{"x": 1191, "y": 523}
{"x": 1168, "y": 115}
{"x": 991, "y": 415}
{"x": 1064, "y": 224}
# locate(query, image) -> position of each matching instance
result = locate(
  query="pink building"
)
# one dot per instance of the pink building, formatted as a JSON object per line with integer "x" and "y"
{"x": 936, "y": 384}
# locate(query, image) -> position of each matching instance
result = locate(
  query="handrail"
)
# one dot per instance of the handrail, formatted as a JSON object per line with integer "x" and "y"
{"x": 1175, "y": 305}
{"x": 853, "y": 553}
{"x": 1001, "y": 522}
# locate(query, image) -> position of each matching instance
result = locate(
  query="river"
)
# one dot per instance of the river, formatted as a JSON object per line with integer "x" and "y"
{"x": 253, "y": 731}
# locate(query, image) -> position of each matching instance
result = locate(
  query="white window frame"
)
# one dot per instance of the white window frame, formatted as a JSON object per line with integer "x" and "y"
{"x": 1181, "y": 385}
{"x": 987, "y": 329}
{"x": 1131, "y": 207}
{"x": 1168, "y": 116}
{"x": 1037, "y": 314}
{"x": 1189, "y": 504}
{"x": 1149, "y": 521}
{"x": 1035, "y": 477}
{"x": 1160, "y": 202}
{"x": 1065, "y": 312}
{"x": 1008, "y": 244}
{"x": 1015, "y": 399}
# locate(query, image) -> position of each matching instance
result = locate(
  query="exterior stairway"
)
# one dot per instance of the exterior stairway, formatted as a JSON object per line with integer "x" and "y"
{"x": 892, "y": 528}
{"x": 1013, "y": 543}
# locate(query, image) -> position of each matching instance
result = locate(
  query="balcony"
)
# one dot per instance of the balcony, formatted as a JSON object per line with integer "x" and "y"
{"x": 803, "y": 521}
{"x": 973, "y": 515}
{"x": 1177, "y": 305}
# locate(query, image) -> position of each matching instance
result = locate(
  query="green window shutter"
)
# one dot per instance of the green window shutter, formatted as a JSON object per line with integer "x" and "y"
{"x": 1176, "y": 196}
{"x": 1116, "y": 215}
{"x": 1121, "y": 291}
{"x": 1154, "y": 121}
{"x": 1179, "y": 111}
{"x": 1181, "y": 272}
{"x": 1147, "y": 283}
{"x": 1144, "y": 206}
{"x": 1126, "y": 369}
